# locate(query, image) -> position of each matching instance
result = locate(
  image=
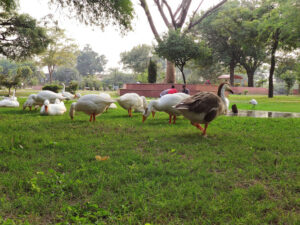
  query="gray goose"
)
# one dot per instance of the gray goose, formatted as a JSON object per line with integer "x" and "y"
{"x": 204, "y": 107}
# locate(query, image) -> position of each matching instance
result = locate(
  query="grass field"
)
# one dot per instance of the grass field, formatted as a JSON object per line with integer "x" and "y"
{"x": 247, "y": 171}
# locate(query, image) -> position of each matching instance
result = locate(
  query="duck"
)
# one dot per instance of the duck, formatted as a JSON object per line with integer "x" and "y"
{"x": 204, "y": 107}
{"x": 68, "y": 95}
{"x": 44, "y": 95}
{"x": 58, "y": 108}
{"x": 106, "y": 95}
{"x": 253, "y": 102}
{"x": 31, "y": 102}
{"x": 10, "y": 101}
{"x": 131, "y": 101}
{"x": 91, "y": 104}
{"x": 166, "y": 104}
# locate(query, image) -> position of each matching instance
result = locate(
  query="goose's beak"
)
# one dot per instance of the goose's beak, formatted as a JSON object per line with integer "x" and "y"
{"x": 153, "y": 114}
{"x": 46, "y": 108}
{"x": 144, "y": 118}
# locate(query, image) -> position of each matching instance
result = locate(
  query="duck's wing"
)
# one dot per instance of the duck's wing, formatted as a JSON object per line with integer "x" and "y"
{"x": 202, "y": 102}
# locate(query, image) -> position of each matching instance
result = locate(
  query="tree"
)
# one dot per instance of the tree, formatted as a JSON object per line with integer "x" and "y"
{"x": 12, "y": 74}
{"x": 289, "y": 77}
{"x": 174, "y": 20}
{"x": 152, "y": 71}
{"x": 180, "y": 48}
{"x": 282, "y": 27}
{"x": 137, "y": 58}
{"x": 61, "y": 52}
{"x": 89, "y": 62}
{"x": 100, "y": 12}
{"x": 20, "y": 35}
{"x": 66, "y": 74}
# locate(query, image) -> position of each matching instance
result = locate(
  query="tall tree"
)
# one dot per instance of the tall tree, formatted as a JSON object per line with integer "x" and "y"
{"x": 137, "y": 58}
{"x": 175, "y": 20}
{"x": 152, "y": 71}
{"x": 180, "y": 48}
{"x": 61, "y": 52}
{"x": 282, "y": 27}
{"x": 20, "y": 35}
{"x": 89, "y": 62}
{"x": 66, "y": 74}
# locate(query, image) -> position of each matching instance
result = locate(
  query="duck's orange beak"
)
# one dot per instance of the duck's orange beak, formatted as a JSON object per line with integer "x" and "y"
{"x": 46, "y": 108}
{"x": 153, "y": 114}
{"x": 144, "y": 118}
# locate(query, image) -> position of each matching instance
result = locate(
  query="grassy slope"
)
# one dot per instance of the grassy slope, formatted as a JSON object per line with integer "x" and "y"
{"x": 245, "y": 172}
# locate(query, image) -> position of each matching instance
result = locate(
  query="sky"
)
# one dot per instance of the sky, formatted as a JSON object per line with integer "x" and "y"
{"x": 108, "y": 42}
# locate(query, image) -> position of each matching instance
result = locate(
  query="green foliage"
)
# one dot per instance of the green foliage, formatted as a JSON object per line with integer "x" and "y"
{"x": 72, "y": 87}
{"x": 244, "y": 172}
{"x": 89, "y": 62}
{"x": 152, "y": 71}
{"x": 21, "y": 37}
{"x": 12, "y": 73}
{"x": 180, "y": 48}
{"x": 100, "y": 13}
{"x": 118, "y": 78}
{"x": 137, "y": 58}
{"x": 52, "y": 87}
{"x": 91, "y": 82}
{"x": 66, "y": 74}
{"x": 289, "y": 77}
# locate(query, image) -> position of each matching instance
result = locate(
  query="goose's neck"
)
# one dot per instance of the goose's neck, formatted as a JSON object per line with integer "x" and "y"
{"x": 152, "y": 104}
{"x": 221, "y": 92}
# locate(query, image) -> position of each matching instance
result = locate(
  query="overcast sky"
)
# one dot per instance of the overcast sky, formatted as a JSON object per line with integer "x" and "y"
{"x": 108, "y": 42}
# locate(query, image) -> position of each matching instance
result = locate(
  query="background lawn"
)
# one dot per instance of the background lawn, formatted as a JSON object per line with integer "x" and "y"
{"x": 245, "y": 172}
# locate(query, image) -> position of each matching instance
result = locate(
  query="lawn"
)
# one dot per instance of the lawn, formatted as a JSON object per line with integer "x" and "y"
{"x": 245, "y": 172}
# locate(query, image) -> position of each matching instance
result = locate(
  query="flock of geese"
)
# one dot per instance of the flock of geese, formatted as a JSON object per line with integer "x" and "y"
{"x": 201, "y": 108}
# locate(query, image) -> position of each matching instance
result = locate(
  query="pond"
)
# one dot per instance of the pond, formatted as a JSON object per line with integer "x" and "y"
{"x": 264, "y": 114}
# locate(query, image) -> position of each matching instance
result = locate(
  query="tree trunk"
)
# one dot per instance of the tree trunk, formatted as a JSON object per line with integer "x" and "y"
{"x": 170, "y": 73}
{"x": 231, "y": 72}
{"x": 250, "y": 75}
{"x": 9, "y": 91}
{"x": 273, "y": 62}
{"x": 183, "y": 75}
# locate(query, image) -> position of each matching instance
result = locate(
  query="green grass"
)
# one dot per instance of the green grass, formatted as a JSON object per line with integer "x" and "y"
{"x": 245, "y": 172}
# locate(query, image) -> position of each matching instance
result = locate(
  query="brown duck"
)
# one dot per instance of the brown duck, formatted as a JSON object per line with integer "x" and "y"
{"x": 204, "y": 107}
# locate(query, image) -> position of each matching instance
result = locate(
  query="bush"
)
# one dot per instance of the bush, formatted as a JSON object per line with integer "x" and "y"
{"x": 55, "y": 88}
{"x": 152, "y": 72}
{"x": 73, "y": 87}
{"x": 245, "y": 92}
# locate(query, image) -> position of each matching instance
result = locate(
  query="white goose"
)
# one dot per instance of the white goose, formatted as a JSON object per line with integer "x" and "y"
{"x": 253, "y": 102}
{"x": 91, "y": 104}
{"x": 166, "y": 104}
{"x": 68, "y": 95}
{"x": 131, "y": 101}
{"x": 58, "y": 108}
{"x": 44, "y": 95}
{"x": 31, "y": 102}
{"x": 204, "y": 107}
{"x": 106, "y": 95}
{"x": 10, "y": 101}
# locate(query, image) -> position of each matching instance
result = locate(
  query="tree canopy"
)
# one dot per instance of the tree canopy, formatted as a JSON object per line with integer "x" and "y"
{"x": 101, "y": 12}
{"x": 89, "y": 62}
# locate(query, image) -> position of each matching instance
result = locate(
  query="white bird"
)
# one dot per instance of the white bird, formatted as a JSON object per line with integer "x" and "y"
{"x": 106, "y": 95}
{"x": 58, "y": 108}
{"x": 166, "y": 104}
{"x": 253, "y": 102}
{"x": 204, "y": 107}
{"x": 44, "y": 95}
{"x": 30, "y": 102}
{"x": 10, "y": 101}
{"x": 91, "y": 104}
{"x": 131, "y": 101}
{"x": 68, "y": 95}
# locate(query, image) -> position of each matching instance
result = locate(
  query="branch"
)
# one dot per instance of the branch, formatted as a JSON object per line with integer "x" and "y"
{"x": 161, "y": 11}
{"x": 194, "y": 13}
{"x": 184, "y": 11}
{"x": 150, "y": 20}
{"x": 206, "y": 14}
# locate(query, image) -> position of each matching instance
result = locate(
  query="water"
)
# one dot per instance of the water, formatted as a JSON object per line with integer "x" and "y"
{"x": 264, "y": 114}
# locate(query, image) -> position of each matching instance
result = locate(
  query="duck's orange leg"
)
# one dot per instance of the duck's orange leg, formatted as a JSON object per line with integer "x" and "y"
{"x": 91, "y": 117}
{"x": 153, "y": 114}
{"x": 130, "y": 112}
{"x": 198, "y": 126}
{"x": 94, "y": 117}
{"x": 204, "y": 131}
{"x": 170, "y": 119}
{"x": 174, "y": 119}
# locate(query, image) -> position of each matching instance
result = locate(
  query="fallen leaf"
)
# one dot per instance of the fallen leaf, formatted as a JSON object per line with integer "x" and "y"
{"x": 101, "y": 158}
